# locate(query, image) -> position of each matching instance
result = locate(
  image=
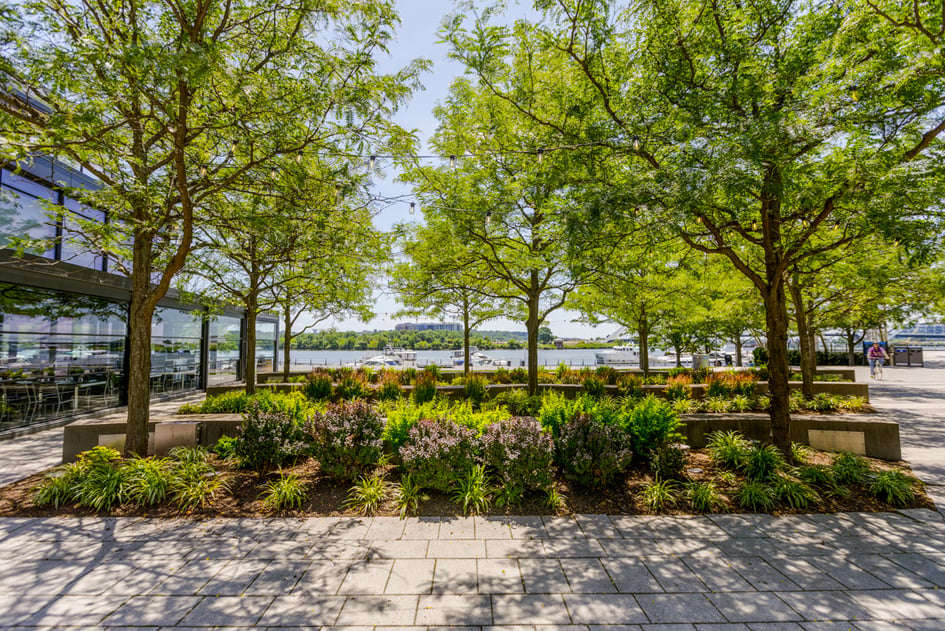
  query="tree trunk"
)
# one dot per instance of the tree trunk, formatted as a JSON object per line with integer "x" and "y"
{"x": 804, "y": 339}
{"x": 531, "y": 325}
{"x": 851, "y": 347}
{"x": 287, "y": 345}
{"x": 466, "y": 339}
{"x": 776, "y": 324}
{"x": 249, "y": 369}
{"x": 678, "y": 351}
{"x": 643, "y": 333}
{"x": 139, "y": 354}
{"x": 738, "y": 351}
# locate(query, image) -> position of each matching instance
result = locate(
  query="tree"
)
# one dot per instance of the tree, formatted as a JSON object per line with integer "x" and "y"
{"x": 169, "y": 105}
{"x": 258, "y": 249}
{"x": 755, "y": 127}
{"x": 545, "y": 336}
{"x": 433, "y": 279}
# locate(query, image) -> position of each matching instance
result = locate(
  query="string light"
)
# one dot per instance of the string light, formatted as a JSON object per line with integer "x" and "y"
{"x": 203, "y": 170}
{"x": 488, "y": 217}
{"x": 540, "y": 154}
{"x": 233, "y": 147}
{"x": 754, "y": 225}
{"x": 298, "y": 158}
{"x": 636, "y": 143}
{"x": 453, "y": 161}
{"x": 413, "y": 207}
{"x": 273, "y": 173}
{"x": 699, "y": 220}
{"x": 372, "y": 162}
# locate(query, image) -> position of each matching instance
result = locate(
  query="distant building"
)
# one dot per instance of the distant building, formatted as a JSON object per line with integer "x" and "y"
{"x": 920, "y": 334}
{"x": 429, "y": 326}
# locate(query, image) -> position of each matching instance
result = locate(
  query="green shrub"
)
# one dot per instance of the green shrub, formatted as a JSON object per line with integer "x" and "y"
{"x": 475, "y": 389}
{"x": 58, "y": 487}
{"x": 346, "y": 438}
{"x": 800, "y": 454}
{"x": 436, "y": 451}
{"x": 520, "y": 454}
{"x": 401, "y": 417}
{"x": 464, "y": 414}
{"x": 284, "y": 493}
{"x": 684, "y": 406}
{"x": 226, "y": 447}
{"x": 716, "y": 405}
{"x": 823, "y": 479}
{"x": 850, "y": 469}
{"x": 268, "y": 439}
{"x": 652, "y": 424}
{"x": 592, "y": 453}
{"x": 367, "y": 494}
{"x": 763, "y": 462}
{"x": 594, "y": 386}
{"x": 668, "y": 461}
{"x": 728, "y": 449}
{"x": 147, "y": 480}
{"x": 629, "y": 385}
{"x": 704, "y": 497}
{"x": 518, "y": 375}
{"x": 195, "y": 486}
{"x": 608, "y": 374}
{"x": 425, "y": 388}
{"x": 517, "y": 402}
{"x": 756, "y": 496}
{"x": 660, "y": 494}
{"x": 318, "y": 386}
{"x": 893, "y": 487}
{"x": 794, "y": 494}
{"x": 472, "y": 490}
{"x": 100, "y": 484}
{"x": 678, "y": 387}
{"x": 233, "y": 402}
{"x": 741, "y": 403}
{"x": 502, "y": 376}
{"x": 407, "y": 496}
{"x": 352, "y": 385}
{"x": 556, "y": 411}
{"x": 390, "y": 388}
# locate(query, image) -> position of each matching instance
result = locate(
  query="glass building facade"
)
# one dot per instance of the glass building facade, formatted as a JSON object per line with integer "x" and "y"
{"x": 63, "y": 316}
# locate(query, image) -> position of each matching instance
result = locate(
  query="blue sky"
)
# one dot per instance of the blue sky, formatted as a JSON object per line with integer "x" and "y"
{"x": 417, "y": 37}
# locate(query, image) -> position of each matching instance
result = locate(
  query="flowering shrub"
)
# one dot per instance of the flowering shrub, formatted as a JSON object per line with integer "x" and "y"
{"x": 592, "y": 453}
{"x": 438, "y": 451}
{"x": 520, "y": 454}
{"x": 678, "y": 387}
{"x": 346, "y": 438}
{"x": 652, "y": 424}
{"x": 268, "y": 439}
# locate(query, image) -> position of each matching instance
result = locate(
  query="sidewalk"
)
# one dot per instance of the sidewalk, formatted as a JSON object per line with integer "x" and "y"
{"x": 858, "y": 571}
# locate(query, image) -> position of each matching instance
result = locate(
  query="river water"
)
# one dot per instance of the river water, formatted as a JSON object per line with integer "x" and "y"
{"x": 551, "y": 358}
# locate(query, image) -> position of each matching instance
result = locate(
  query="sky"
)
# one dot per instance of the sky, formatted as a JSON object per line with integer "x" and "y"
{"x": 417, "y": 37}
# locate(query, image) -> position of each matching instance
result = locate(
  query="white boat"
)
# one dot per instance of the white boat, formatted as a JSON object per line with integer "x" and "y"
{"x": 477, "y": 359}
{"x": 392, "y": 357}
{"x": 618, "y": 355}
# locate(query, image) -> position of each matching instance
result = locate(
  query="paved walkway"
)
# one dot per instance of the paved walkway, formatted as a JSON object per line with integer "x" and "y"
{"x": 864, "y": 572}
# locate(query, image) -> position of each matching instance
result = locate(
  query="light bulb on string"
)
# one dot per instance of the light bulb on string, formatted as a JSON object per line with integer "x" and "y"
{"x": 413, "y": 207}
{"x": 540, "y": 154}
{"x": 371, "y": 162}
{"x": 233, "y": 147}
{"x": 452, "y": 161}
{"x": 488, "y": 217}
{"x": 754, "y": 225}
{"x": 273, "y": 173}
{"x": 635, "y": 141}
{"x": 699, "y": 220}
{"x": 298, "y": 158}
{"x": 203, "y": 170}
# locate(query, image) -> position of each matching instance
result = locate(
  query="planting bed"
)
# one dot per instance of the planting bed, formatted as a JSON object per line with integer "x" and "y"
{"x": 327, "y": 496}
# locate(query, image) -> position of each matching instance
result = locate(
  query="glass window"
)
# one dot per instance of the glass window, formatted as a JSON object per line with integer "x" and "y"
{"x": 60, "y": 353}
{"x": 24, "y": 215}
{"x": 224, "y": 352}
